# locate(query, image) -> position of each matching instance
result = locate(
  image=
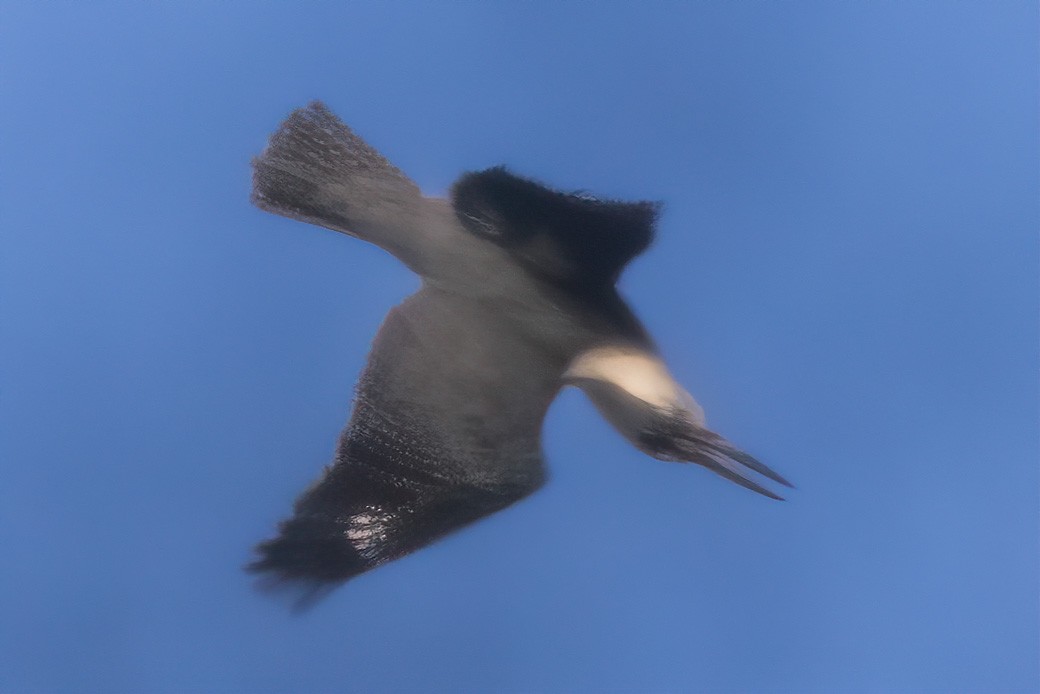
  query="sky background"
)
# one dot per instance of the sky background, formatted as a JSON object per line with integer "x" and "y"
{"x": 845, "y": 277}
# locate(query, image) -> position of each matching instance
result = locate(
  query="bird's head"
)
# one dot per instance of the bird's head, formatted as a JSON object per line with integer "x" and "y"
{"x": 634, "y": 391}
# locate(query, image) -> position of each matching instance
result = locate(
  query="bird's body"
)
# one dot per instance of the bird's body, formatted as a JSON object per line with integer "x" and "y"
{"x": 518, "y": 300}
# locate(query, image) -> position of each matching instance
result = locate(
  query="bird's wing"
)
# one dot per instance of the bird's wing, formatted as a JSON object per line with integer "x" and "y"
{"x": 316, "y": 169}
{"x": 445, "y": 430}
{"x": 572, "y": 240}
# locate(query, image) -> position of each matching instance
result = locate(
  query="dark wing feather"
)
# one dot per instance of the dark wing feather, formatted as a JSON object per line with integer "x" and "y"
{"x": 570, "y": 239}
{"x": 445, "y": 430}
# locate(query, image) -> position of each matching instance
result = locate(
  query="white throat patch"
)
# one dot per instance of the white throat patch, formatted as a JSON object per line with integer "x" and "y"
{"x": 638, "y": 373}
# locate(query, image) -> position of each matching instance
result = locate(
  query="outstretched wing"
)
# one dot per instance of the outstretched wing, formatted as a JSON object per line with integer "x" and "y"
{"x": 445, "y": 430}
{"x": 572, "y": 240}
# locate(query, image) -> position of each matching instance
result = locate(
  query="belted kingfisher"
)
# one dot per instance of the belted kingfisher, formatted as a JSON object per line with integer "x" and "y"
{"x": 518, "y": 299}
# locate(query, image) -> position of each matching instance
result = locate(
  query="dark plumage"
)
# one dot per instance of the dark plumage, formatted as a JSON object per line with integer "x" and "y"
{"x": 518, "y": 300}
{"x": 579, "y": 242}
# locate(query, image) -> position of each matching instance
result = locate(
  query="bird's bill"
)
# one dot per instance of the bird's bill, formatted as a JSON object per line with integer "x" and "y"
{"x": 718, "y": 455}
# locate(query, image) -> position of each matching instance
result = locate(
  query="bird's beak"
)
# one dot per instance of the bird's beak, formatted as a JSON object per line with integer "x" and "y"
{"x": 705, "y": 447}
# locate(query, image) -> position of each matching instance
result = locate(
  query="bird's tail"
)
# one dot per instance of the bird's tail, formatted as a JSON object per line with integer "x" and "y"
{"x": 316, "y": 169}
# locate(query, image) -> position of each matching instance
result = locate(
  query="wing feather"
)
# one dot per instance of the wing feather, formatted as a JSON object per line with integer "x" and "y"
{"x": 445, "y": 430}
{"x": 572, "y": 240}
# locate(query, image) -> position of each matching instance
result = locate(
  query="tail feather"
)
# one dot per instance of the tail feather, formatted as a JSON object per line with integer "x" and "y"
{"x": 316, "y": 169}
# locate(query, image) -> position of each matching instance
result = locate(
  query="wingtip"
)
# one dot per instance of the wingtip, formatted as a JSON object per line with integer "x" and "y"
{"x": 300, "y": 593}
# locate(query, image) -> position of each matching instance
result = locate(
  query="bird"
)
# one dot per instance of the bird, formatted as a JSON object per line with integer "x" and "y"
{"x": 518, "y": 300}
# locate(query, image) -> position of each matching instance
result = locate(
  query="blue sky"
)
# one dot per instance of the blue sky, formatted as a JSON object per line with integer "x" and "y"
{"x": 845, "y": 277}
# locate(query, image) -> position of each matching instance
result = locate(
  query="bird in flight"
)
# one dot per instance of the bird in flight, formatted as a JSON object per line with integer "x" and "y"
{"x": 518, "y": 299}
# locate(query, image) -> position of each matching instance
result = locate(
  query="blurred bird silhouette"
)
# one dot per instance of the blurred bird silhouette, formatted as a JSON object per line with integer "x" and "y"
{"x": 518, "y": 299}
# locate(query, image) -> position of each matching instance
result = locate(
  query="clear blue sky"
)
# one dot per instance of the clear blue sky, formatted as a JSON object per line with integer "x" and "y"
{"x": 845, "y": 277}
